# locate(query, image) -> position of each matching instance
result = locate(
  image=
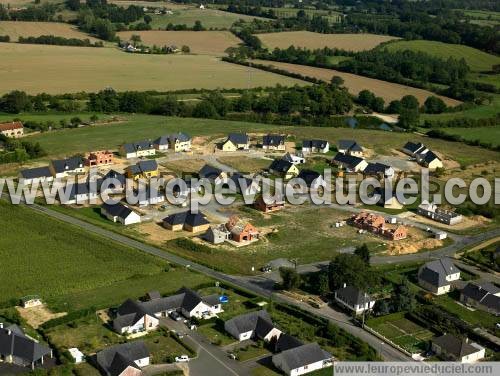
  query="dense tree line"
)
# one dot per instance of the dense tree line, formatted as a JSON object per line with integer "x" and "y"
{"x": 404, "y": 66}
{"x": 43, "y": 12}
{"x": 59, "y": 41}
{"x": 463, "y": 123}
{"x": 15, "y": 150}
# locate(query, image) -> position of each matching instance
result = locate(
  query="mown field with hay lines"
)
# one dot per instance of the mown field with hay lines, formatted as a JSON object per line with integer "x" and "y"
{"x": 16, "y": 29}
{"x": 310, "y": 40}
{"x": 61, "y": 69}
{"x": 354, "y": 83}
{"x": 199, "y": 42}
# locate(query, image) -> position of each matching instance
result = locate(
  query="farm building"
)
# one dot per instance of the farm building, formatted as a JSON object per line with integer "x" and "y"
{"x": 285, "y": 169}
{"x": 61, "y": 168}
{"x": 192, "y": 222}
{"x": 35, "y": 175}
{"x": 350, "y": 147}
{"x": 98, "y": 158}
{"x": 137, "y": 149}
{"x": 267, "y": 207}
{"x": 273, "y": 142}
{"x": 457, "y": 349}
{"x": 14, "y": 129}
{"x": 354, "y": 299}
{"x": 125, "y": 359}
{"x": 143, "y": 170}
{"x": 253, "y": 325}
{"x": 484, "y": 296}
{"x": 432, "y": 211}
{"x": 19, "y": 349}
{"x": 315, "y": 146}
{"x": 303, "y": 359}
{"x": 236, "y": 141}
{"x": 120, "y": 213}
{"x": 437, "y": 276}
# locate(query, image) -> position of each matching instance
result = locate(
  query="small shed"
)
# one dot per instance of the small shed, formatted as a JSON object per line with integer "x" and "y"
{"x": 31, "y": 301}
{"x": 440, "y": 235}
{"x": 77, "y": 355}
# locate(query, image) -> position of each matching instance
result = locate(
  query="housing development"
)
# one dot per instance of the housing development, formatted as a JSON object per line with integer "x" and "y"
{"x": 249, "y": 188}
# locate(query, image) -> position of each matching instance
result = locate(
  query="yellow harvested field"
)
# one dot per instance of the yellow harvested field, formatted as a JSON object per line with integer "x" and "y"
{"x": 199, "y": 42}
{"x": 310, "y": 40}
{"x": 354, "y": 83}
{"x": 16, "y": 29}
{"x": 62, "y": 69}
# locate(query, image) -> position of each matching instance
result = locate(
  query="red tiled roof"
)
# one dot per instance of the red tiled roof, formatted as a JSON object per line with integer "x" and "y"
{"x": 10, "y": 126}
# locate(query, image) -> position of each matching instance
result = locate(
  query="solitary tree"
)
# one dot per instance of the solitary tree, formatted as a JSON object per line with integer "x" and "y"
{"x": 135, "y": 39}
{"x": 363, "y": 253}
{"x": 291, "y": 279}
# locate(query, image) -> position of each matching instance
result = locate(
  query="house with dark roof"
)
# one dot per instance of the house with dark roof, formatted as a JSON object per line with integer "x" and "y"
{"x": 192, "y": 222}
{"x": 451, "y": 348}
{"x": 112, "y": 182}
{"x": 236, "y": 141}
{"x": 138, "y": 149}
{"x": 284, "y": 169}
{"x": 245, "y": 185}
{"x": 137, "y": 315}
{"x": 350, "y": 147}
{"x": 430, "y": 160}
{"x": 35, "y": 175}
{"x": 482, "y": 295}
{"x": 161, "y": 143}
{"x": 379, "y": 170}
{"x": 61, "y": 168}
{"x": 303, "y": 359}
{"x": 436, "y": 276}
{"x": 273, "y": 142}
{"x": 315, "y": 146}
{"x": 77, "y": 193}
{"x": 295, "y": 159}
{"x": 17, "y": 348}
{"x": 179, "y": 142}
{"x": 213, "y": 174}
{"x": 414, "y": 148}
{"x": 120, "y": 213}
{"x": 349, "y": 163}
{"x": 132, "y": 317}
{"x": 143, "y": 170}
{"x": 252, "y": 325}
{"x": 149, "y": 195}
{"x": 354, "y": 299}
{"x": 313, "y": 179}
{"x": 126, "y": 359}
{"x": 286, "y": 342}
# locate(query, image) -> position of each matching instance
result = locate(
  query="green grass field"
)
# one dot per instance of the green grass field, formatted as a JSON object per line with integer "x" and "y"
{"x": 71, "y": 269}
{"x": 478, "y": 112}
{"x": 210, "y": 18}
{"x": 476, "y": 59}
{"x": 486, "y": 134}
{"x": 483, "y": 17}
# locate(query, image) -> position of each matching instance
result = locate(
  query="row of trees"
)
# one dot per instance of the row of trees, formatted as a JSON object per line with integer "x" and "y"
{"x": 59, "y": 41}
{"x": 19, "y": 151}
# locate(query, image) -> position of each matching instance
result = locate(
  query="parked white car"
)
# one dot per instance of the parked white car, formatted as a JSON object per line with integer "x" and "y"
{"x": 182, "y": 359}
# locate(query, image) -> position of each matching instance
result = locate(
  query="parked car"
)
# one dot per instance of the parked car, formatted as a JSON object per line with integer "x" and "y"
{"x": 267, "y": 269}
{"x": 182, "y": 359}
{"x": 175, "y": 316}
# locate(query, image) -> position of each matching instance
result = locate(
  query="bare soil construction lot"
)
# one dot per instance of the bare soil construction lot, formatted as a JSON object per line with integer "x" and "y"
{"x": 60, "y": 69}
{"x": 36, "y": 316}
{"x": 16, "y": 29}
{"x": 199, "y": 42}
{"x": 354, "y": 83}
{"x": 307, "y": 39}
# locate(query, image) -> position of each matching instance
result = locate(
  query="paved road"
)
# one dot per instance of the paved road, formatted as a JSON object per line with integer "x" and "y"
{"x": 261, "y": 286}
